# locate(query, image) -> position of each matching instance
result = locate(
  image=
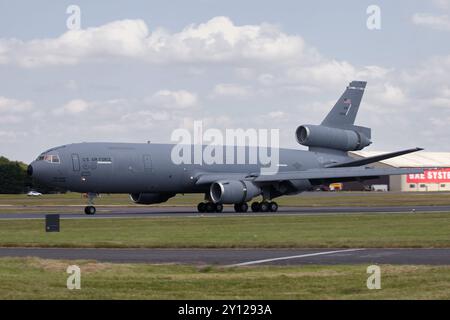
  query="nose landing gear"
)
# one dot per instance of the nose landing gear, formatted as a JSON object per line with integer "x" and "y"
{"x": 90, "y": 209}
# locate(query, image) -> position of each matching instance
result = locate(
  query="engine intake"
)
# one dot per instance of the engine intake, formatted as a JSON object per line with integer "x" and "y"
{"x": 333, "y": 138}
{"x": 150, "y": 198}
{"x": 236, "y": 191}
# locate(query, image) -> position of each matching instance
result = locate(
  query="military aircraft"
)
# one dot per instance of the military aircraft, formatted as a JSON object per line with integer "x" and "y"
{"x": 147, "y": 172}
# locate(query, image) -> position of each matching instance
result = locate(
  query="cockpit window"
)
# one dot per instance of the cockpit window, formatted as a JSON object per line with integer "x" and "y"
{"x": 49, "y": 158}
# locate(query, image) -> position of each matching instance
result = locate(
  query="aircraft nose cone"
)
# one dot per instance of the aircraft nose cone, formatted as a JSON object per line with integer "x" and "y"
{"x": 30, "y": 170}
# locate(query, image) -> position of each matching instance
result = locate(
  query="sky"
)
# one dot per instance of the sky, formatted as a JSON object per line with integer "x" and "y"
{"x": 138, "y": 70}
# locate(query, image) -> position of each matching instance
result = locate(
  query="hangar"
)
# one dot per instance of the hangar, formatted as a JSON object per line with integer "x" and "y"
{"x": 436, "y": 176}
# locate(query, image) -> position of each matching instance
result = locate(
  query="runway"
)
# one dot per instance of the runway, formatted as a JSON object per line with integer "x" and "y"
{"x": 184, "y": 211}
{"x": 241, "y": 257}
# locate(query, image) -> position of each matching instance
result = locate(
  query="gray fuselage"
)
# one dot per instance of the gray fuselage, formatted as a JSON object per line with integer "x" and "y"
{"x": 149, "y": 168}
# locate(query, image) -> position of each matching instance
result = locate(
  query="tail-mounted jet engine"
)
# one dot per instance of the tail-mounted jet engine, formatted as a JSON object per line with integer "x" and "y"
{"x": 333, "y": 138}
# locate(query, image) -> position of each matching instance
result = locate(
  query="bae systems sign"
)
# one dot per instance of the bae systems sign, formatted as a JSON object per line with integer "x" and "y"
{"x": 430, "y": 176}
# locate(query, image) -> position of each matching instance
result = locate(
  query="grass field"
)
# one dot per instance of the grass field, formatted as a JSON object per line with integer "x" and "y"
{"x": 32, "y": 278}
{"x": 337, "y": 231}
{"x": 307, "y": 199}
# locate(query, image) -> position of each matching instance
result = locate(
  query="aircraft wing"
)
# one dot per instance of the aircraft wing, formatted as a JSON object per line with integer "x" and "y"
{"x": 334, "y": 173}
{"x": 312, "y": 174}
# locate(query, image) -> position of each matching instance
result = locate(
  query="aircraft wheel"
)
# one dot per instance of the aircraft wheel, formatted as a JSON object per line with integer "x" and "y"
{"x": 201, "y": 207}
{"x": 241, "y": 207}
{"x": 255, "y": 206}
{"x": 264, "y": 206}
{"x": 210, "y": 207}
{"x": 219, "y": 207}
{"x": 90, "y": 210}
{"x": 273, "y": 206}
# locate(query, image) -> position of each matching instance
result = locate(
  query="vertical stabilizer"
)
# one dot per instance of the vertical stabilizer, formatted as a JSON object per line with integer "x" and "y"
{"x": 346, "y": 108}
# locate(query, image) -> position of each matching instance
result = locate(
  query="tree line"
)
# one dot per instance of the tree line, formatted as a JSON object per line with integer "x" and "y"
{"x": 14, "y": 179}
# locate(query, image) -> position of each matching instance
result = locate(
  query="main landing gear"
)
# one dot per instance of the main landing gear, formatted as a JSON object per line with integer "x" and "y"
{"x": 265, "y": 206}
{"x": 90, "y": 209}
{"x": 209, "y": 207}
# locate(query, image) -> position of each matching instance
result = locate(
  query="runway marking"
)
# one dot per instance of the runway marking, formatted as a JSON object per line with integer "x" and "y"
{"x": 292, "y": 257}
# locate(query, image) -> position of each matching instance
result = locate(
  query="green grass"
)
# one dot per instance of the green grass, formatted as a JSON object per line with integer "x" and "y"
{"x": 355, "y": 230}
{"x": 308, "y": 200}
{"x": 32, "y": 278}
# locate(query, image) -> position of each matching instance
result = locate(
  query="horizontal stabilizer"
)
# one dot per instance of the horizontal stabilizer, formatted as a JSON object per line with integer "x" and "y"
{"x": 368, "y": 160}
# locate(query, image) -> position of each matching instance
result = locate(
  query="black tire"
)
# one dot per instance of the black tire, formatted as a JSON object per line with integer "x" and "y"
{"x": 273, "y": 206}
{"x": 90, "y": 210}
{"x": 264, "y": 206}
{"x": 255, "y": 206}
{"x": 241, "y": 207}
{"x": 219, "y": 207}
{"x": 201, "y": 207}
{"x": 210, "y": 207}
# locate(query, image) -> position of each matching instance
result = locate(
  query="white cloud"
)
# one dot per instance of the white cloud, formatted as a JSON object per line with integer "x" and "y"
{"x": 7, "y": 134}
{"x": 393, "y": 95}
{"x": 277, "y": 115}
{"x": 12, "y": 119}
{"x": 231, "y": 89}
{"x": 443, "y": 4}
{"x": 437, "y": 22}
{"x": 72, "y": 107}
{"x": 440, "y": 102}
{"x": 14, "y": 106}
{"x": 181, "y": 99}
{"x": 120, "y": 38}
{"x": 278, "y": 76}
{"x": 217, "y": 40}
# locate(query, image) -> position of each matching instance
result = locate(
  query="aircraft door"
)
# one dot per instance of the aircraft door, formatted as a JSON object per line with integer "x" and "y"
{"x": 147, "y": 163}
{"x": 75, "y": 162}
